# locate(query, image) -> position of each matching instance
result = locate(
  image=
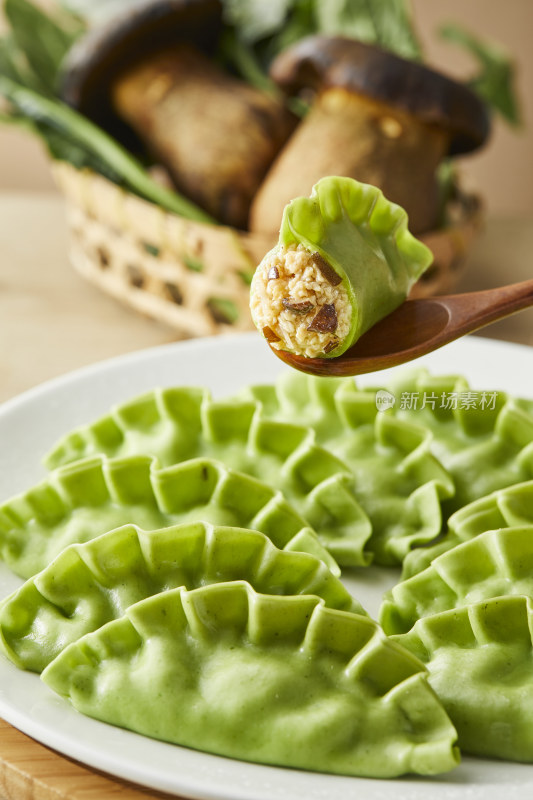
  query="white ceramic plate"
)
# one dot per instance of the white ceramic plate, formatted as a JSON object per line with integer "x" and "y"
{"x": 31, "y": 423}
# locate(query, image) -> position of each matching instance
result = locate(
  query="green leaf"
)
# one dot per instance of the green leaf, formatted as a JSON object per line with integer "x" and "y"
{"x": 302, "y": 21}
{"x": 244, "y": 59}
{"x": 96, "y": 12}
{"x": 255, "y": 19}
{"x": 13, "y": 64}
{"x": 18, "y": 120}
{"x": 96, "y": 144}
{"x": 61, "y": 148}
{"x": 43, "y": 41}
{"x": 194, "y": 264}
{"x": 246, "y": 276}
{"x": 495, "y": 82}
{"x": 387, "y": 23}
{"x": 223, "y": 310}
{"x": 151, "y": 249}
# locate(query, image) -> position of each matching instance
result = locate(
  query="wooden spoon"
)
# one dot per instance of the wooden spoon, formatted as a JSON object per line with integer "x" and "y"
{"x": 417, "y": 327}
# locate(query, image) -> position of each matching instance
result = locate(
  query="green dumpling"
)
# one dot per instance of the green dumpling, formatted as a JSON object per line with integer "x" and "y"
{"x": 492, "y": 564}
{"x": 505, "y": 508}
{"x": 181, "y": 423}
{"x": 89, "y": 497}
{"x": 483, "y": 438}
{"x": 90, "y": 584}
{"x": 470, "y": 444}
{"x": 397, "y": 481}
{"x": 344, "y": 260}
{"x": 480, "y": 662}
{"x": 276, "y": 680}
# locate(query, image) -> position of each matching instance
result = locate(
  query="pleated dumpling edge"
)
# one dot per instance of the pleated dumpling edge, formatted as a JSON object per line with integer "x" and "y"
{"x": 270, "y": 679}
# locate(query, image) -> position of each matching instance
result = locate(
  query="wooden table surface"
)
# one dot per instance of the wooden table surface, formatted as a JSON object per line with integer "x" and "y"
{"x": 51, "y": 322}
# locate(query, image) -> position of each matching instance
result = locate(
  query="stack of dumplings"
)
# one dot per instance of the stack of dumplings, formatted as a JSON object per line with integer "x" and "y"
{"x": 182, "y": 565}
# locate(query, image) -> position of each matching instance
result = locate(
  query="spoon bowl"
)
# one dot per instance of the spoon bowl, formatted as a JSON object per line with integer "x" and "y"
{"x": 416, "y": 328}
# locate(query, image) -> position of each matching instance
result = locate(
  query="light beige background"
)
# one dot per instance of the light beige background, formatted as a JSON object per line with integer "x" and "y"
{"x": 503, "y": 171}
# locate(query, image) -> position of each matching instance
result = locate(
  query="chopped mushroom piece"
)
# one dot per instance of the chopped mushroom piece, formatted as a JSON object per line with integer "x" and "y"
{"x": 269, "y": 335}
{"x": 298, "y": 308}
{"x": 325, "y": 321}
{"x": 326, "y": 269}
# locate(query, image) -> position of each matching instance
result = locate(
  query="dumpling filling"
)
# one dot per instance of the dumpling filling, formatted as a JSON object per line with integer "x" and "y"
{"x": 299, "y": 302}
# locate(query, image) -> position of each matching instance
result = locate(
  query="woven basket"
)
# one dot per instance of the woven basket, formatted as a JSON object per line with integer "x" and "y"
{"x": 192, "y": 276}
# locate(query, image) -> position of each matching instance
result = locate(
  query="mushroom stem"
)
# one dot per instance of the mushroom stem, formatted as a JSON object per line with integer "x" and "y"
{"x": 349, "y": 134}
{"x": 216, "y": 135}
{"x": 376, "y": 117}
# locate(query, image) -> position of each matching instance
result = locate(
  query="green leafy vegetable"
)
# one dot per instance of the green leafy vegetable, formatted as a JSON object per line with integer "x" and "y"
{"x": 30, "y": 65}
{"x": 78, "y": 130}
{"x": 152, "y": 249}
{"x": 44, "y": 51}
{"x": 223, "y": 310}
{"x": 10, "y": 62}
{"x": 256, "y": 19}
{"x": 32, "y": 52}
{"x": 245, "y": 276}
{"x": 388, "y": 24}
{"x": 496, "y": 78}
{"x": 301, "y": 22}
{"x": 245, "y": 59}
{"x": 242, "y": 56}
{"x": 97, "y": 12}
{"x": 259, "y": 36}
{"x": 194, "y": 264}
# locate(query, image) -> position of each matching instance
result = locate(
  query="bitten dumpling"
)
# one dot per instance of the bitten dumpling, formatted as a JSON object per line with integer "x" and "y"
{"x": 344, "y": 260}
{"x": 276, "y": 680}
{"x": 90, "y": 584}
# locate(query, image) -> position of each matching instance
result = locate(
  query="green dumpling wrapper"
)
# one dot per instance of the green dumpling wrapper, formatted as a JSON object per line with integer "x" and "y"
{"x": 344, "y": 260}
{"x": 484, "y": 439}
{"x": 480, "y": 662}
{"x": 92, "y": 496}
{"x": 505, "y": 508}
{"x": 482, "y": 442}
{"x": 90, "y": 584}
{"x": 398, "y": 481}
{"x": 181, "y": 423}
{"x": 492, "y": 564}
{"x": 275, "y": 680}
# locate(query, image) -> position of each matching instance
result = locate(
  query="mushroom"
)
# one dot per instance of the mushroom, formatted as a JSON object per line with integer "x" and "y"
{"x": 375, "y": 117}
{"x": 154, "y": 69}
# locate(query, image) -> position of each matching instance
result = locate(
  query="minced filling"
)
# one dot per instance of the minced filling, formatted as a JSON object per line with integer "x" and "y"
{"x": 299, "y": 303}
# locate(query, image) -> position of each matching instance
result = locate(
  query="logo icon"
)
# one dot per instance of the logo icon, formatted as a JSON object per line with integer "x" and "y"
{"x": 384, "y": 400}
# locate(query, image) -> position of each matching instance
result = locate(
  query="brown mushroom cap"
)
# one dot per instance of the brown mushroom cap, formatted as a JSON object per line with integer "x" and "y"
{"x": 148, "y": 25}
{"x": 322, "y": 62}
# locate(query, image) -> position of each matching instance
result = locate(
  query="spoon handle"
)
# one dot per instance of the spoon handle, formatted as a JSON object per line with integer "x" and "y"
{"x": 473, "y": 310}
{"x": 418, "y": 327}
